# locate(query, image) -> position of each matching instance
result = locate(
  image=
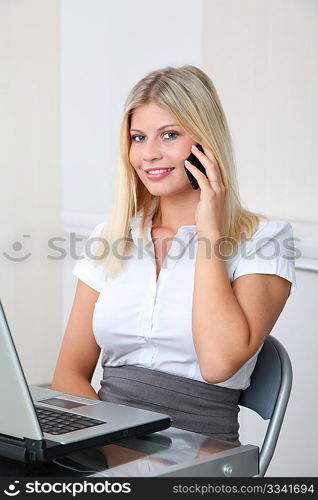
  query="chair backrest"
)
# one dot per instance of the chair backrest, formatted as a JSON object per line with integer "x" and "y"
{"x": 268, "y": 394}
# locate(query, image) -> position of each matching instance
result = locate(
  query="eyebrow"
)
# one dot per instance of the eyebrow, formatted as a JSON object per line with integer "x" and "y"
{"x": 161, "y": 128}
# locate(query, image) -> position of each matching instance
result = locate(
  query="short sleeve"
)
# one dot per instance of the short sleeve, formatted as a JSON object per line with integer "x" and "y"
{"x": 269, "y": 251}
{"x": 88, "y": 268}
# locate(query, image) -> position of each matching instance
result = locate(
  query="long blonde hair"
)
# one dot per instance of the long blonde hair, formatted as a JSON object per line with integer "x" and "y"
{"x": 190, "y": 96}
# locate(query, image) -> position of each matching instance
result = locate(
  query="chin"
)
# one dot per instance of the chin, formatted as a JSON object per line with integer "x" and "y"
{"x": 168, "y": 191}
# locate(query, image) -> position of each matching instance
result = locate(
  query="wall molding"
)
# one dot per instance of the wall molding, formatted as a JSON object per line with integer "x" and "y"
{"x": 80, "y": 223}
{"x": 83, "y": 224}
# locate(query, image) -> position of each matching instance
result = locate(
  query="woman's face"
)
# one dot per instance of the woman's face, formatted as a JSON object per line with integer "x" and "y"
{"x": 158, "y": 143}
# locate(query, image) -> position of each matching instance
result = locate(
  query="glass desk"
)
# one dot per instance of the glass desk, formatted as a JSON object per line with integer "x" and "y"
{"x": 169, "y": 453}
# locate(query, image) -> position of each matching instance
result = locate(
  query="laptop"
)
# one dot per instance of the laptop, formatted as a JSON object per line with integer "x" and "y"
{"x": 39, "y": 424}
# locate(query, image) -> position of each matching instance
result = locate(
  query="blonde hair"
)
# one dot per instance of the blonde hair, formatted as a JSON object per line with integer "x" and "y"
{"x": 190, "y": 96}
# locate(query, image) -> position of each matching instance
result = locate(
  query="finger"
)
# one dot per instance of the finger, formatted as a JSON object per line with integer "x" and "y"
{"x": 199, "y": 176}
{"x": 209, "y": 154}
{"x": 213, "y": 184}
{"x": 210, "y": 164}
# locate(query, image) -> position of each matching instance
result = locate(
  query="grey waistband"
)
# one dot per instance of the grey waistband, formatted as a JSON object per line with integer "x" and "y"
{"x": 193, "y": 405}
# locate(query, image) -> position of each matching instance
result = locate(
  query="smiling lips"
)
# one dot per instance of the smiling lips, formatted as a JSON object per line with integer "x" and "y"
{"x": 157, "y": 173}
{"x": 158, "y": 170}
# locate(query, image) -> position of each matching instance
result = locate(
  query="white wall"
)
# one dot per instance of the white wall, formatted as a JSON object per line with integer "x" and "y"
{"x": 262, "y": 56}
{"x": 30, "y": 285}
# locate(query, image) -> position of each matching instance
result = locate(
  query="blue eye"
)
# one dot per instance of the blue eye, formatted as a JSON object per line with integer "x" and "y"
{"x": 134, "y": 137}
{"x": 171, "y": 138}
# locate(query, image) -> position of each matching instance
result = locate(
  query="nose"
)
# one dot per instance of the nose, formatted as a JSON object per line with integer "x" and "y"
{"x": 151, "y": 151}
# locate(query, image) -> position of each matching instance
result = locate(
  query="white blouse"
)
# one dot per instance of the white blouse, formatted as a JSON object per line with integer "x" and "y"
{"x": 141, "y": 321}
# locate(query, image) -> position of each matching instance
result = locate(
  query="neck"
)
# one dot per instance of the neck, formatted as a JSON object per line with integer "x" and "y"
{"x": 177, "y": 212}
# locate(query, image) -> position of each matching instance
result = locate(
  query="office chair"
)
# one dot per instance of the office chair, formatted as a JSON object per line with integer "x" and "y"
{"x": 268, "y": 394}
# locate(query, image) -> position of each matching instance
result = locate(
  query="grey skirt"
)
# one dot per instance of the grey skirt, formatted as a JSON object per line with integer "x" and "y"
{"x": 193, "y": 405}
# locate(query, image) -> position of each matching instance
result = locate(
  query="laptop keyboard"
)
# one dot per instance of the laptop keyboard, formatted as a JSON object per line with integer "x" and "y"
{"x": 57, "y": 422}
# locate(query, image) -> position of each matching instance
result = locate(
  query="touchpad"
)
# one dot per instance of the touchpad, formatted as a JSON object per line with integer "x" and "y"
{"x": 62, "y": 403}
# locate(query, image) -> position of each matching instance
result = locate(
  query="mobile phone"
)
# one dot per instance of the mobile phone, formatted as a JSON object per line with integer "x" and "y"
{"x": 194, "y": 161}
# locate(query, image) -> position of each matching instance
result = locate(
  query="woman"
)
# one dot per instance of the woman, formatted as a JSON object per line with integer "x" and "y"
{"x": 185, "y": 284}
